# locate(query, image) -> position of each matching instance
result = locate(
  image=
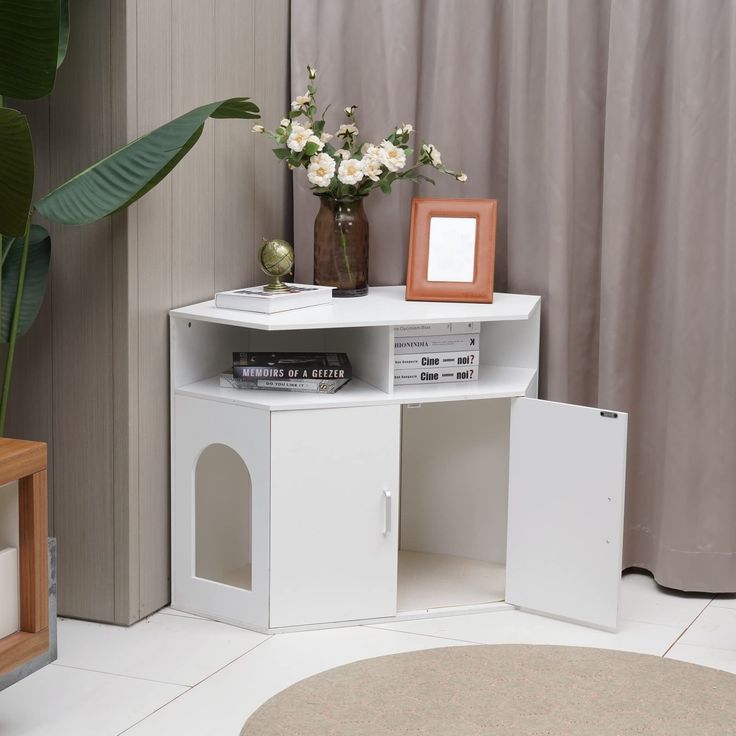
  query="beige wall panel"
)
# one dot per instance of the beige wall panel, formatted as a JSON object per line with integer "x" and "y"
{"x": 154, "y": 281}
{"x": 125, "y": 326}
{"x": 272, "y": 203}
{"x": 80, "y": 133}
{"x": 193, "y": 84}
{"x": 234, "y": 147}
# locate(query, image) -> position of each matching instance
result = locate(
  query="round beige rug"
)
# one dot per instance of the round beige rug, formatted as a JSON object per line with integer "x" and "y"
{"x": 514, "y": 690}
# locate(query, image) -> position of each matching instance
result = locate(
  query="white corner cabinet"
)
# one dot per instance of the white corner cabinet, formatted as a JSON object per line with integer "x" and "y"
{"x": 381, "y": 502}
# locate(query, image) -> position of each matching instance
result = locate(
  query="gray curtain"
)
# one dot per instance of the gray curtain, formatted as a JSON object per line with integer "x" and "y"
{"x": 607, "y": 131}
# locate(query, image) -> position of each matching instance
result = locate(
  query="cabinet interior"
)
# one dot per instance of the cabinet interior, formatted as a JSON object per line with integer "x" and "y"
{"x": 223, "y": 495}
{"x": 453, "y": 509}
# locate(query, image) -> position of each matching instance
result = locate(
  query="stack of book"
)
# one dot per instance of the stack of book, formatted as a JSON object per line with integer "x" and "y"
{"x": 317, "y": 373}
{"x": 440, "y": 353}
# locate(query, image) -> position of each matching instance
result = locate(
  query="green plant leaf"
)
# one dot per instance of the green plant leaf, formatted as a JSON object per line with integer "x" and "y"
{"x": 63, "y": 32}
{"x": 310, "y": 149}
{"x": 34, "y": 289}
{"x": 127, "y": 174}
{"x": 16, "y": 171}
{"x": 30, "y": 33}
{"x": 281, "y": 153}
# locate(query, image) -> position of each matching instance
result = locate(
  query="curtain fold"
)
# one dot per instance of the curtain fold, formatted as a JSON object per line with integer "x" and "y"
{"x": 606, "y": 132}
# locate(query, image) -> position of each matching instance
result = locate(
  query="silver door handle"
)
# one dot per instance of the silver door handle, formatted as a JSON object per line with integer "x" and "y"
{"x": 387, "y": 511}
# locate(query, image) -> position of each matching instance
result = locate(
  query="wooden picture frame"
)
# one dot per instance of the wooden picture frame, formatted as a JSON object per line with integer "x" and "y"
{"x": 459, "y": 265}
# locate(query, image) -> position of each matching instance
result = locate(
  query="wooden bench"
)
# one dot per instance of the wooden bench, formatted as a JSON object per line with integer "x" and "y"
{"x": 25, "y": 462}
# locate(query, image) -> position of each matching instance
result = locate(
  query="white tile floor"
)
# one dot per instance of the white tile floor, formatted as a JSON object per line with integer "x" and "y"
{"x": 185, "y": 676}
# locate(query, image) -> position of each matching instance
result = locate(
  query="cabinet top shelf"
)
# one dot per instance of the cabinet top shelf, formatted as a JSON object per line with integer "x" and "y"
{"x": 384, "y": 305}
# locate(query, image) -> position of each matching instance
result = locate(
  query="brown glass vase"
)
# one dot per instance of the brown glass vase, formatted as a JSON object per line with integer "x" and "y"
{"x": 341, "y": 246}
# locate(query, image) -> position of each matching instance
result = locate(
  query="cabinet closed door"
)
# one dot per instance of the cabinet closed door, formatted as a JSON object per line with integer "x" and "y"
{"x": 334, "y": 514}
{"x": 567, "y": 471}
{"x": 219, "y": 519}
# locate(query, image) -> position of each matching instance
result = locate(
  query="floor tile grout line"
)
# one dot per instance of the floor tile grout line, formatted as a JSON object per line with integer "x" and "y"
{"x": 153, "y": 712}
{"x": 186, "y": 615}
{"x": 165, "y": 705}
{"x": 666, "y": 626}
{"x": 687, "y": 628}
{"x": 377, "y": 627}
{"x": 118, "y": 674}
{"x": 160, "y": 682}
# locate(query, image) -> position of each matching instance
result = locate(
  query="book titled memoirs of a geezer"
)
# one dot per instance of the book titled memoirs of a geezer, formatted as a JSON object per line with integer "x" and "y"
{"x": 292, "y": 366}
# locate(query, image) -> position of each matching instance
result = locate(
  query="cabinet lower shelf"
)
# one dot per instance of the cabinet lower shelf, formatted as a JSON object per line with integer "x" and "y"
{"x": 494, "y": 382}
{"x": 432, "y": 581}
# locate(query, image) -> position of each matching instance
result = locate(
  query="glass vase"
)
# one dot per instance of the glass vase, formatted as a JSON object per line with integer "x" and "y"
{"x": 341, "y": 246}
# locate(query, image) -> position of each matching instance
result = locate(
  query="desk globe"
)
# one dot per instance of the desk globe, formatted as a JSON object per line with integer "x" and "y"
{"x": 277, "y": 259}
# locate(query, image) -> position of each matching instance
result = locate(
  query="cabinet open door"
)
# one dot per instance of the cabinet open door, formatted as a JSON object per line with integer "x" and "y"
{"x": 567, "y": 469}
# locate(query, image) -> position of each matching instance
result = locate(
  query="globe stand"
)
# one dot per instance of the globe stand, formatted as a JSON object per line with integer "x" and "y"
{"x": 277, "y": 259}
{"x": 276, "y": 285}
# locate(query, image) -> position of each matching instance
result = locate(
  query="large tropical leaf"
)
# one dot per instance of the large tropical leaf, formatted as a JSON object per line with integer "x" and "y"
{"x": 37, "y": 274}
{"x": 126, "y": 175}
{"x": 16, "y": 171}
{"x": 63, "y": 32}
{"x": 29, "y": 47}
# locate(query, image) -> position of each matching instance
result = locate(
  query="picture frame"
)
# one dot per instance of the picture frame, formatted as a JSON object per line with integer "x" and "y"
{"x": 452, "y": 250}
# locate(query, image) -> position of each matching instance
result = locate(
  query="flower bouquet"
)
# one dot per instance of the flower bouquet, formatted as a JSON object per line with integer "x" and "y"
{"x": 342, "y": 172}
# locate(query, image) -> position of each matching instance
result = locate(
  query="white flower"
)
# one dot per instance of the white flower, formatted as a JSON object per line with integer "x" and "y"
{"x": 434, "y": 154}
{"x": 257, "y": 129}
{"x": 345, "y": 130}
{"x": 284, "y": 122}
{"x": 372, "y": 168}
{"x": 350, "y": 110}
{"x": 343, "y": 153}
{"x": 462, "y": 177}
{"x": 350, "y": 171}
{"x": 312, "y": 72}
{"x": 370, "y": 150}
{"x": 391, "y": 156}
{"x": 325, "y": 137}
{"x": 301, "y": 101}
{"x": 321, "y": 169}
{"x": 299, "y": 137}
{"x": 372, "y": 164}
{"x": 407, "y": 127}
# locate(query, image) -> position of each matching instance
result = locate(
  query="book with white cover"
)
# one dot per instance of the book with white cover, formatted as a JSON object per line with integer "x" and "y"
{"x": 412, "y": 361}
{"x": 441, "y": 328}
{"x": 436, "y": 344}
{"x": 435, "y": 375}
{"x": 258, "y": 299}
{"x": 9, "y": 602}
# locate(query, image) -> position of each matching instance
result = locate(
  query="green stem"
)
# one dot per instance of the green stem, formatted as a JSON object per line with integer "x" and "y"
{"x": 344, "y": 244}
{"x": 14, "y": 327}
